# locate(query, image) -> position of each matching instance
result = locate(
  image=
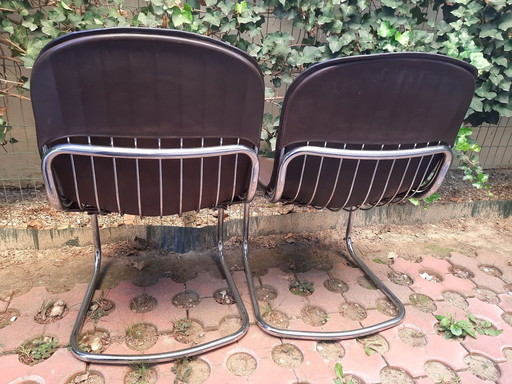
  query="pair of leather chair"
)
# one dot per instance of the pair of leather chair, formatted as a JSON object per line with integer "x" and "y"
{"x": 156, "y": 122}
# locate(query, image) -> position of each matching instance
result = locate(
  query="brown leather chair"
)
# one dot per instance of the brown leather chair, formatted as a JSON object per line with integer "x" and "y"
{"x": 362, "y": 132}
{"x": 147, "y": 122}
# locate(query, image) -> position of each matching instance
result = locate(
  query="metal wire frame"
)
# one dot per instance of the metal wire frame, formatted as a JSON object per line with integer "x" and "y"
{"x": 359, "y": 155}
{"x": 362, "y": 155}
{"x": 159, "y": 154}
{"x": 141, "y": 154}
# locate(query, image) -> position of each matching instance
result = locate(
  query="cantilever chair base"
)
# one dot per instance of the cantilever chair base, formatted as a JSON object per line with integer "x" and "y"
{"x": 164, "y": 356}
{"x": 138, "y": 153}
{"x": 336, "y": 335}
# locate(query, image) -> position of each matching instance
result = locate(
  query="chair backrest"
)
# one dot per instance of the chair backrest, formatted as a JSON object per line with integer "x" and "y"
{"x": 371, "y": 102}
{"x": 147, "y": 88}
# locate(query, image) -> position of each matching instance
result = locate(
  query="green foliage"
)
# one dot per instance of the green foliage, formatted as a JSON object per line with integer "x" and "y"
{"x": 140, "y": 373}
{"x": 467, "y": 150}
{"x": 477, "y": 31}
{"x": 340, "y": 376}
{"x": 452, "y": 328}
{"x": 182, "y": 326}
{"x": 302, "y": 287}
{"x": 182, "y": 369}
{"x": 38, "y": 350}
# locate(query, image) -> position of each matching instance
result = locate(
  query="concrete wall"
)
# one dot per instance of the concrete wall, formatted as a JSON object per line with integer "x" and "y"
{"x": 185, "y": 239}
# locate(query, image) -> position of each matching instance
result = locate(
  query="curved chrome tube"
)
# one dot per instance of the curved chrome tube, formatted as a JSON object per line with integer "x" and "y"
{"x": 143, "y": 153}
{"x": 331, "y": 335}
{"x": 353, "y": 154}
{"x": 164, "y": 356}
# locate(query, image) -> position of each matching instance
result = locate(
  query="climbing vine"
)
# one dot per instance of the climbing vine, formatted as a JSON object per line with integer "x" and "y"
{"x": 285, "y": 37}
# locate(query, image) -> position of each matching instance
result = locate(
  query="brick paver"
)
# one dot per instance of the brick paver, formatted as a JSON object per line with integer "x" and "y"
{"x": 313, "y": 369}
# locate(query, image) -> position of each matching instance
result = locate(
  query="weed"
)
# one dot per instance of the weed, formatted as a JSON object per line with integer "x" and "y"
{"x": 136, "y": 331}
{"x": 302, "y": 287}
{"x": 182, "y": 369}
{"x": 99, "y": 308}
{"x": 340, "y": 377}
{"x": 182, "y": 326}
{"x": 37, "y": 350}
{"x": 139, "y": 373}
{"x": 453, "y": 328}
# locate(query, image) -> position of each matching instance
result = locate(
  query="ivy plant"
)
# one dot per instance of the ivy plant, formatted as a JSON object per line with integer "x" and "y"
{"x": 477, "y": 31}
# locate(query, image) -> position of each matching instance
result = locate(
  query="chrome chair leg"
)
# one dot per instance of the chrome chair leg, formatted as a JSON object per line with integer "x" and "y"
{"x": 154, "y": 357}
{"x": 328, "y": 335}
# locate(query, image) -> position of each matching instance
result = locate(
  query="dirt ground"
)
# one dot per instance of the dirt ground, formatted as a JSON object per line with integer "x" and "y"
{"x": 29, "y": 208}
{"x": 59, "y": 270}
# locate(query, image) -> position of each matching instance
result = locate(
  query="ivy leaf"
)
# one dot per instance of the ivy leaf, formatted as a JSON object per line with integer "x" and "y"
{"x": 334, "y": 43}
{"x": 403, "y": 38}
{"x": 65, "y": 6}
{"x": 476, "y": 104}
{"x": 225, "y": 6}
{"x": 212, "y": 18}
{"x": 240, "y": 7}
{"x": 385, "y": 29}
{"x": 479, "y": 61}
{"x": 392, "y": 3}
{"x": 505, "y": 22}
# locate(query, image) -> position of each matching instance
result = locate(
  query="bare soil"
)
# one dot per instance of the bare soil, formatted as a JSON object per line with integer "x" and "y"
{"x": 374, "y": 344}
{"x": 386, "y": 307}
{"x": 87, "y": 377}
{"x": 353, "y": 311}
{"x": 143, "y": 303}
{"x": 431, "y": 276}
{"x": 141, "y": 336}
{"x": 266, "y": 293}
{"x": 507, "y": 318}
{"x": 51, "y": 312}
{"x": 491, "y": 270}
{"x": 188, "y": 331}
{"x": 422, "y": 302}
{"x": 335, "y": 285}
{"x": 287, "y": 356}
{"x": 330, "y": 350}
{"x": 229, "y": 325}
{"x": 186, "y": 299}
{"x": 191, "y": 371}
{"x": 486, "y": 295}
{"x": 456, "y": 299}
{"x": 440, "y": 373}
{"x": 482, "y": 367}
{"x": 314, "y": 316}
{"x": 412, "y": 337}
{"x": 241, "y": 364}
{"x": 461, "y": 272}
{"x": 276, "y": 318}
{"x": 365, "y": 282}
{"x": 100, "y": 307}
{"x": 391, "y": 375}
{"x": 400, "y": 278}
{"x": 141, "y": 375}
{"x": 95, "y": 341}
{"x": 224, "y": 296}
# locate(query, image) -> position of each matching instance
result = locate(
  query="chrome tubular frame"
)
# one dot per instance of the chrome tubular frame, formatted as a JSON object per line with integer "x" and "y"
{"x": 331, "y": 335}
{"x": 353, "y": 154}
{"x": 159, "y": 154}
{"x": 140, "y": 154}
{"x": 358, "y": 155}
